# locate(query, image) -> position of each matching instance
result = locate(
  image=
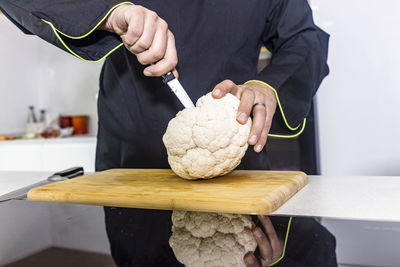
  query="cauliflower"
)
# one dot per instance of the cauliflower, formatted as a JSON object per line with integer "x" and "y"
{"x": 211, "y": 239}
{"x": 206, "y": 141}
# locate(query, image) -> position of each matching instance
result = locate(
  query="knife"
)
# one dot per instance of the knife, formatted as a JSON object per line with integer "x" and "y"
{"x": 56, "y": 177}
{"x": 177, "y": 89}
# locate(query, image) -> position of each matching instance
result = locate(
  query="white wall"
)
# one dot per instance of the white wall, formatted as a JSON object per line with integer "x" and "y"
{"x": 33, "y": 72}
{"x": 17, "y": 84}
{"x": 359, "y": 113}
{"x": 358, "y": 104}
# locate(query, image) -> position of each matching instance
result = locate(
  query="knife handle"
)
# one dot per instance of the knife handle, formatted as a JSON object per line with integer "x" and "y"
{"x": 68, "y": 173}
{"x": 168, "y": 77}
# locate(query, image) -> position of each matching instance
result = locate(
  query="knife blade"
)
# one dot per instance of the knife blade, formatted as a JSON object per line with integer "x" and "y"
{"x": 178, "y": 89}
{"x": 58, "y": 176}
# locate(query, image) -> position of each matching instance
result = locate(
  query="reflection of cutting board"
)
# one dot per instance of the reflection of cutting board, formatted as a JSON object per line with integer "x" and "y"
{"x": 245, "y": 192}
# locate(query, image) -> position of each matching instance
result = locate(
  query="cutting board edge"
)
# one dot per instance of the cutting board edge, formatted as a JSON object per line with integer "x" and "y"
{"x": 42, "y": 194}
{"x": 261, "y": 207}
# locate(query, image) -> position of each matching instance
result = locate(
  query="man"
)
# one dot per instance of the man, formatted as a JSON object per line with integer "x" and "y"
{"x": 211, "y": 45}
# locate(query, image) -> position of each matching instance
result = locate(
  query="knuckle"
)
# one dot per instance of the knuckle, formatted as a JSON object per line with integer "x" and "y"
{"x": 134, "y": 32}
{"x": 157, "y": 55}
{"x": 144, "y": 43}
{"x": 249, "y": 93}
{"x": 142, "y": 60}
{"x": 171, "y": 36}
{"x": 153, "y": 15}
{"x": 230, "y": 83}
{"x": 131, "y": 50}
{"x": 163, "y": 24}
{"x": 139, "y": 10}
{"x": 128, "y": 41}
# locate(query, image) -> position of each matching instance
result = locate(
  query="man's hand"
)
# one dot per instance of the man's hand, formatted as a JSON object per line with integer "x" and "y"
{"x": 270, "y": 247}
{"x": 249, "y": 95}
{"x": 146, "y": 35}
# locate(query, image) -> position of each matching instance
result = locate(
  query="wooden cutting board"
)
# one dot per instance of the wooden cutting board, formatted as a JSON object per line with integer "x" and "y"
{"x": 242, "y": 191}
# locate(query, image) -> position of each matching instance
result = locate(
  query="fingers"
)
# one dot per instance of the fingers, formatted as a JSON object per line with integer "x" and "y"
{"x": 262, "y": 140}
{"x": 158, "y": 47}
{"x": 258, "y": 134}
{"x": 223, "y": 88}
{"x": 146, "y": 35}
{"x": 267, "y": 126}
{"x": 262, "y": 115}
{"x": 266, "y": 96}
{"x": 166, "y": 64}
{"x": 269, "y": 246}
{"x": 246, "y": 103}
{"x": 274, "y": 242}
{"x": 132, "y": 30}
{"x": 259, "y": 115}
{"x": 149, "y": 30}
{"x": 264, "y": 246}
{"x": 250, "y": 260}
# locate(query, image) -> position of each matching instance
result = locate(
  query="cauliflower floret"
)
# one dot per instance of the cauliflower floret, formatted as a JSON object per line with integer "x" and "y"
{"x": 206, "y": 141}
{"x": 202, "y": 239}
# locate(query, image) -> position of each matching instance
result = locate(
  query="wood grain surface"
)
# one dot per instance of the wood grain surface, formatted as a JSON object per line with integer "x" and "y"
{"x": 242, "y": 191}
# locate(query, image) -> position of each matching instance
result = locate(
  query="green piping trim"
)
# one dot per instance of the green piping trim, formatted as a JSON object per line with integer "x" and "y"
{"x": 94, "y": 28}
{"x": 72, "y": 52}
{"x": 284, "y": 246}
{"x": 279, "y": 102}
{"x": 57, "y": 33}
{"x": 283, "y": 114}
{"x": 290, "y": 136}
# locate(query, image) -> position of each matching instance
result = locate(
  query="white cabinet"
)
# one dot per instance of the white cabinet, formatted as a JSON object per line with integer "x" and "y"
{"x": 48, "y": 155}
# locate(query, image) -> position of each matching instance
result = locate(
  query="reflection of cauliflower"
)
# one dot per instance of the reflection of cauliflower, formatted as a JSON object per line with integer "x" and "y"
{"x": 211, "y": 239}
{"x": 206, "y": 141}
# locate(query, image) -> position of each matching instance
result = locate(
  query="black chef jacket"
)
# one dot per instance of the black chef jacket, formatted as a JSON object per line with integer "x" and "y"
{"x": 215, "y": 40}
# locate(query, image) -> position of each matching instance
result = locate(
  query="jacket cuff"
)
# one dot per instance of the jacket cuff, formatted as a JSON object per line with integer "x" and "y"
{"x": 92, "y": 45}
{"x": 291, "y": 131}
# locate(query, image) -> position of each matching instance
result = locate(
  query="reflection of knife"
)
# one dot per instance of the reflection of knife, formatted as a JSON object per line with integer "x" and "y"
{"x": 58, "y": 176}
{"x": 178, "y": 90}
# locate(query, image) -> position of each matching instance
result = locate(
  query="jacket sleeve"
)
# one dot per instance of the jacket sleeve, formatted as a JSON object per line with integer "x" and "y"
{"x": 298, "y": 63}
{"x": 68, "y": 24}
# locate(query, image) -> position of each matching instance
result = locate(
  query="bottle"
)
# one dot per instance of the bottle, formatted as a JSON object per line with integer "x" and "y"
{"x": 42, "y": 116}
{"x": 31, "y": 115}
